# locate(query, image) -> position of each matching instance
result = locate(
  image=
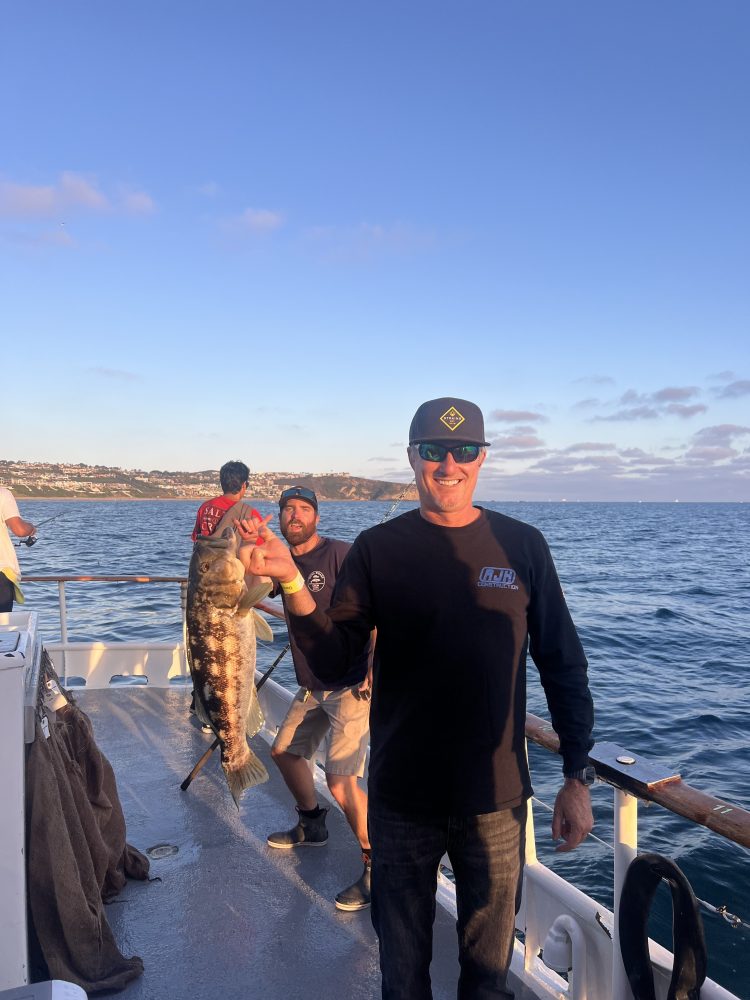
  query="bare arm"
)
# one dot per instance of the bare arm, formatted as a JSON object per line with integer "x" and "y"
{"x": 20, "y": 527}
{"x": 270, "y": 609}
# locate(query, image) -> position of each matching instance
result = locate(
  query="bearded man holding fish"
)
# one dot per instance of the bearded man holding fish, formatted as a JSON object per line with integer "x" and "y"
{"x": 459, "y": 595}
{"x": 337, "y": 711}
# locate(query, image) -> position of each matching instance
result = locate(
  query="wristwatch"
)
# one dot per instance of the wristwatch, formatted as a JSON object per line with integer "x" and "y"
{"x": 586, "y": 775}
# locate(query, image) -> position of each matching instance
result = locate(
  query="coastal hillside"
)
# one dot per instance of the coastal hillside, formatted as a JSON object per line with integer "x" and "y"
{"x": 41, "y": 480}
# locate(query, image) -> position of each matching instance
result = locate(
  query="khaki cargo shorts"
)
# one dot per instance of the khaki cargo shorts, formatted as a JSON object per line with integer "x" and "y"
{"x": 340, "y": 717}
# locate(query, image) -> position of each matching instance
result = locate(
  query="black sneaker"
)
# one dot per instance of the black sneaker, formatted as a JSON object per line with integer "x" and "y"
{"x": 307, "y": 833}
{"x": 357, "y": 896}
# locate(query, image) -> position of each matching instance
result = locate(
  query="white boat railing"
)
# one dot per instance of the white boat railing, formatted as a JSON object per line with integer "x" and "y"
{"x": 159, "y": 661}
{"x": 552, "y": 909}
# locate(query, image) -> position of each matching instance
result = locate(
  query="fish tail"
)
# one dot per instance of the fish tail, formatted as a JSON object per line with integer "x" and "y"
{"x": 251, "y": 773}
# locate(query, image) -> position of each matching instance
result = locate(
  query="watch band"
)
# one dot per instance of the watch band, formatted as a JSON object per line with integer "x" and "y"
{"x": 586, "y": 775}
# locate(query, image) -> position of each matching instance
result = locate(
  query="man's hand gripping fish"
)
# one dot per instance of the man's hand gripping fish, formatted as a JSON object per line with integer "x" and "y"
{"x": 221, "y": 629}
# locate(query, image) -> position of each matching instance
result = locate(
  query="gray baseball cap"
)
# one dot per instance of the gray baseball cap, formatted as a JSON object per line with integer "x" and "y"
{"x": 446, "y": 420}
{"x": 298, "y": 493}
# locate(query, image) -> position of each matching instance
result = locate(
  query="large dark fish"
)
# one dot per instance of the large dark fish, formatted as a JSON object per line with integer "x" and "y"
{"x": 221, "y": 632}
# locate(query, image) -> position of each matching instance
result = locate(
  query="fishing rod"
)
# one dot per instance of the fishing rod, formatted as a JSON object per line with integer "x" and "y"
{"x": 273, "y": 666}
{"x": 32, "y": 539}
{"x": 397, "y": 501}
{"x": 188, "y": 781}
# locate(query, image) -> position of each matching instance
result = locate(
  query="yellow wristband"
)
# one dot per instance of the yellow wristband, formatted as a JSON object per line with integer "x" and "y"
{"x": 293, "y": 586}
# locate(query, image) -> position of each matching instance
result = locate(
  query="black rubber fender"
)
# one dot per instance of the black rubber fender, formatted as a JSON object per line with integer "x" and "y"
{"x": 688, "y": 940}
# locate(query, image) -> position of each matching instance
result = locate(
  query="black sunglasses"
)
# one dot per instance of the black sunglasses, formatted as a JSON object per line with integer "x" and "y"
{"x": 298, "y": 493}
{"x": 462, "y": 453}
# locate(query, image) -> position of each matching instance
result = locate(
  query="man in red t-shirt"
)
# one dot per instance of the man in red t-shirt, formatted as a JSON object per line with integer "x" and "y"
{"x": 233, "y": 477}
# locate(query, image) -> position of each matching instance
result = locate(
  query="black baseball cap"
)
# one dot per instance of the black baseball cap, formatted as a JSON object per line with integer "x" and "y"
{"x": 298, "y": 493}
{"x": 446, "y": 420}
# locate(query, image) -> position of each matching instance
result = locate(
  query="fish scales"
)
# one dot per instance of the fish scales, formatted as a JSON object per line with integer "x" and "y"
{"x": 221, "y": 631}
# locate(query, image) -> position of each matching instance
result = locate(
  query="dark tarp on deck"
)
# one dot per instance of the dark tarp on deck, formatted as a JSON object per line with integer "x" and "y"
{"x": 77, "y": 857}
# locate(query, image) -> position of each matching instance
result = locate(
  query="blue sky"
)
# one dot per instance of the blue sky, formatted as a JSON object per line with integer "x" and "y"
{"x": 269, "y": 231}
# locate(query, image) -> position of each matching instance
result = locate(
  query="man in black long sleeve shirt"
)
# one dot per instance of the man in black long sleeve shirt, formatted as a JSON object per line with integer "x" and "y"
{"x": 458, "y": 594}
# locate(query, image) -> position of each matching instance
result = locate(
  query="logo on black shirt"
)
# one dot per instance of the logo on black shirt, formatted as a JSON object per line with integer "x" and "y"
{"x": 495, "y": 576}
{"x": 316, "y": 581}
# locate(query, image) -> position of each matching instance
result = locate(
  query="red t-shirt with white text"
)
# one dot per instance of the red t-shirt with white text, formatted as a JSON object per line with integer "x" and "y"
{"x": 211, "y": 512}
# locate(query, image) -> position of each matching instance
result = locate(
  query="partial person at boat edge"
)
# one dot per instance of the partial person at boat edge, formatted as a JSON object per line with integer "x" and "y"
{"x": 459, "y": 595}
{"x": 10, "y": 569}
{"x": 338, "y": 712}
{"x": 235, "y": 482}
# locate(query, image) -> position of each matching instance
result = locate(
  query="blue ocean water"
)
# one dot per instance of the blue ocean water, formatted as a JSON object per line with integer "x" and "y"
{"x": 659, "y": 593}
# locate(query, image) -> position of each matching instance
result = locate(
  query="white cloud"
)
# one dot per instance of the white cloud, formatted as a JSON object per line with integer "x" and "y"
{"x": 71, "y": 194}
{"x": 721, "y": 435}
{"x": 367, "y": 240}
{"x": 58, "y": 237}
{"x": 513, "y": 416}
{"x": 254, "y": 220}
{"x": 669, "y": 401}
{"x": 137, "y": 203}
{"x": 587, "y": 404}
{"x": 588, "y": 446}
{"x": 735, "y": 389}
{"x": 633, "y": 413}
{"x": 675, "y": 394}
{"x": 709, "y": 454}
{"x": 209, "y": 190}
{"x": 681, "y": 410}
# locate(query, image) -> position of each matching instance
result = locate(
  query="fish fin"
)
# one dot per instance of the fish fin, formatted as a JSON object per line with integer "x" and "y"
{"x": 251, "y": 597}
{"x": 254, "y": 719}
{"x": 262, "y": 629}
{"x": 251, "y": 774}
{"x": 262, "y": 589}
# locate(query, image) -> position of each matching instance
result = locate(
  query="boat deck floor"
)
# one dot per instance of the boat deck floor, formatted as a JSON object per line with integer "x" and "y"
{"x": 230, "y": 917}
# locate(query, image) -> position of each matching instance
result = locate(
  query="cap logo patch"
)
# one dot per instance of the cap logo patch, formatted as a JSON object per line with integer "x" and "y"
{"x": 452, "y": 419}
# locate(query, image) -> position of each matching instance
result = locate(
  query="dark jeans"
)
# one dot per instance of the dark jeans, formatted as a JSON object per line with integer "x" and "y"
{"x": 7, "y": 593}
{"x": 486, "y": 853}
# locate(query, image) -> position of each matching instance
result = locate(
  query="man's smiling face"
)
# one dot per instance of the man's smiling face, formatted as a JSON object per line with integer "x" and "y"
{"x": 446, "y": 488}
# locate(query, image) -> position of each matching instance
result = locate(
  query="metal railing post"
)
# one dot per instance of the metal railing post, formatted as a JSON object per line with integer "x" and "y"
{"x": 63, "y": 626}
{"x": 626, "y": 848}
{"x": 183, "y": 608}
